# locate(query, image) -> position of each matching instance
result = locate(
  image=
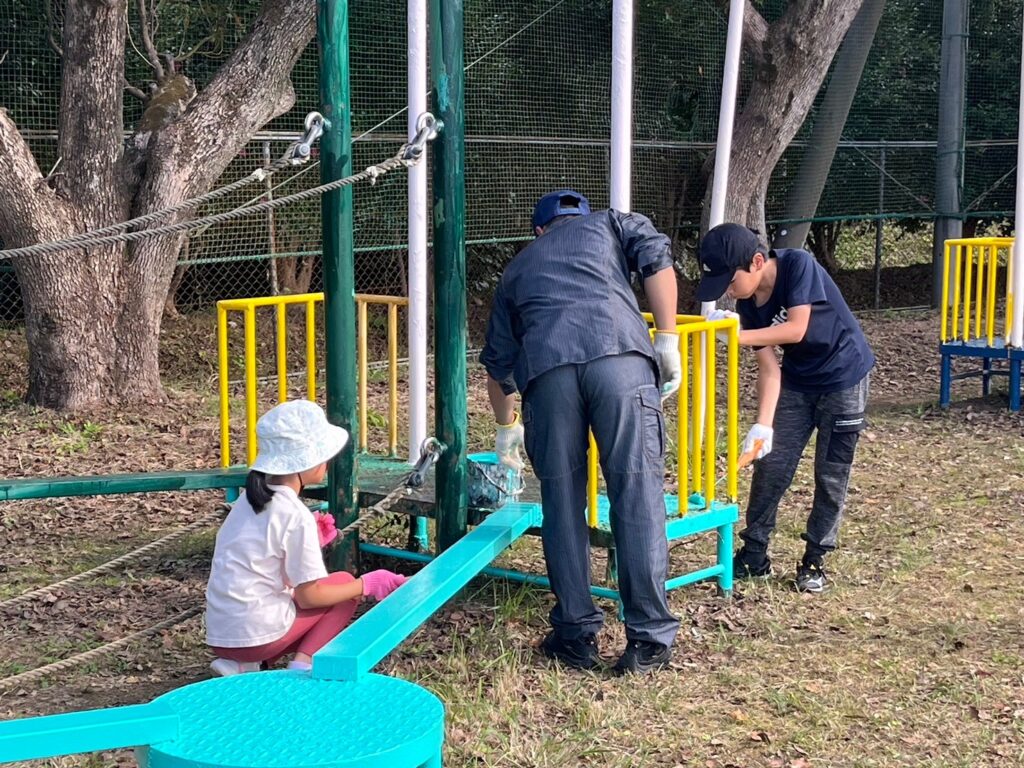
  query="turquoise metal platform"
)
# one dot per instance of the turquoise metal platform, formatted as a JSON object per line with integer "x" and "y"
{"x": 288, "y": 719}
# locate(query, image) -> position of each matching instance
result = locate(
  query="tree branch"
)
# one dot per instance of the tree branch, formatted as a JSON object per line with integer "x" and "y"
{"x": 138, "y": 93}
{"x": 27, "y": 204}
{"x": 252, "y": 87}
{"x": 755, "y": 31}
{"x": 147, "y": 42}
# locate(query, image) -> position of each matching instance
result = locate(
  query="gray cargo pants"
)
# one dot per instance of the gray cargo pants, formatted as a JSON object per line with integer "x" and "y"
{"x": 618, "y": 398}
{"x": 839, "y": 419}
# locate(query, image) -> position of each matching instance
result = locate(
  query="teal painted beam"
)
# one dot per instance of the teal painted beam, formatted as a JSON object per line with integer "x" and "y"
{"x": 356, "y": 651}
{"x": 718, "y": 516}
{"x": 35, "y": 738}
{"x": 101, "y": 485}
{"x": 450, "y": 391}
{"x": 338, "y": 265}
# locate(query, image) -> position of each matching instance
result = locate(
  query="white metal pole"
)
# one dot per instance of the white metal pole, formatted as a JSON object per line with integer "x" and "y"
{"x": 726, "y": 118}
{"x": 1017, "y": 321}
{"x": 417, "y": 310}
{"x": 620, "y": 177}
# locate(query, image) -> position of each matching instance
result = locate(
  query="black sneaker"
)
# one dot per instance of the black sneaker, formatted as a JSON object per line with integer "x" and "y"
{"x": 747, "y": 565}
{"x": 642, "y": 656}
{"x": 579, "y": 654}
{"x": 811, "y": 576}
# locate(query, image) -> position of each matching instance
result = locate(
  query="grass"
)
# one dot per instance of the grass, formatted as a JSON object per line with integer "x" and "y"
{"x": 913, "y": 659}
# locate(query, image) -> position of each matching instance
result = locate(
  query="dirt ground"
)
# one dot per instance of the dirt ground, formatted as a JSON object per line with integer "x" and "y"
{"x": 915, "y": 658}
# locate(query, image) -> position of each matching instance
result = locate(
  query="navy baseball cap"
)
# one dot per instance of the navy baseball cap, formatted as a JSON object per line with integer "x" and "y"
{"x": 561, "y": 202}
{"x": 723, "y": 250}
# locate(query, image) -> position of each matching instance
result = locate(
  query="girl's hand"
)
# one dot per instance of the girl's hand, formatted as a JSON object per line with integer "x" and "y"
{"x": 380, "y": 584}
{"x": 325, "y": 528}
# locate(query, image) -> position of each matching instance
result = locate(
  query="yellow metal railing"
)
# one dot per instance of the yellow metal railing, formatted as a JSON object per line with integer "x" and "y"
{"x": 248, "y": 308}
{"x": 697, "y": 414}
{"x": 971, "y": 271}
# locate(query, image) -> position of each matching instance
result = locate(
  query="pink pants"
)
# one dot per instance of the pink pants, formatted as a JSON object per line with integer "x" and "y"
{"x": 312, "y": 629}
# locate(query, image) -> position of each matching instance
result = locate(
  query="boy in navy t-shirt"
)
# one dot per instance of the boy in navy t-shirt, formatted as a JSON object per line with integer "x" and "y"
{"x": 786, "y": 299}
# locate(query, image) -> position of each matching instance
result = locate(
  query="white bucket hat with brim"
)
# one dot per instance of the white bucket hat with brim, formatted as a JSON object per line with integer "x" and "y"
{"x": 295, "y": 436}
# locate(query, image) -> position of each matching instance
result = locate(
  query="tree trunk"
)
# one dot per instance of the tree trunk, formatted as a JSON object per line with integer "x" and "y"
{"x": 791, "y": 58}
{"x": 93, "y": 318}
{"x": 805, "y": 194}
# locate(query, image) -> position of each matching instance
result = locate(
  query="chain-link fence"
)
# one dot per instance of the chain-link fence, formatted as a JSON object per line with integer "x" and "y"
{"x": 538, "y": 76}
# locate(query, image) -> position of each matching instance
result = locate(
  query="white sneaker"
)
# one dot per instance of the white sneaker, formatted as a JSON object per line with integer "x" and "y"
{"x": 229, "y": 667}
{"x": 302, "y": 666}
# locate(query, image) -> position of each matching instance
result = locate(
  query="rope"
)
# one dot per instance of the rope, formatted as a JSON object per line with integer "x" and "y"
{"x": 372, "y": 173}
{"x": 382, "y": 507}
{"x": 78, "y": 240}
{"x": 113, "y": 564}
{"x": 81, "y": 658}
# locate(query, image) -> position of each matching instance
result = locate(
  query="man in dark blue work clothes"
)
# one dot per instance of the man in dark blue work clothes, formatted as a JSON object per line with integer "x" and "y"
{"x": 566, "y": 331}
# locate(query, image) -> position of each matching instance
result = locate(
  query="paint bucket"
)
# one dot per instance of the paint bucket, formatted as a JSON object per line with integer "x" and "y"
{"x": 491, "y": 483}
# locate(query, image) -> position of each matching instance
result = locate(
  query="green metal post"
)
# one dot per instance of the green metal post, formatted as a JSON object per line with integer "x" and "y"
{"x": 338, "y": 269}
{"x": 449, "y": 269}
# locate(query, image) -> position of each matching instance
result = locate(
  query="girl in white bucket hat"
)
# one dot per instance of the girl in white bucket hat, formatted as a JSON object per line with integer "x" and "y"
{"x": 269, "y": 593}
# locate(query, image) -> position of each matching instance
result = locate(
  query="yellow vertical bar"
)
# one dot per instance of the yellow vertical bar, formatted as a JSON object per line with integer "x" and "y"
{"x": 945, "y": 293}
{"x": 311, "y": 350}
{"x": 697, "y": 461}
{"x": 993, "y": 273}
{"x": 711, "y": 451}
{"x": 979, "y": 298}
{"x": 1008, "y": 322}
{"x": 222, "y": 374}
{"x": 683, "y": 424}
{"x": 733, "y": 434}
{"x": 393, "y": 378}
{"x": 968, "y": 275}
{"x": 592, "y": 482}
{"x": 282, "y": 352}
{"x": 250, "y": 382}
{"x": 956, "y": 294}
{"x": 361, "y": 305}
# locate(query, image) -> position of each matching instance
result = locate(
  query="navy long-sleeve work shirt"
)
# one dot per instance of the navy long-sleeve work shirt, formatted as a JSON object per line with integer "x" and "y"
{"x": 566, "y": 297}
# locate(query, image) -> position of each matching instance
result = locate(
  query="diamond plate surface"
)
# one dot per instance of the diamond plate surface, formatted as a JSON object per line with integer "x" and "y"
{"x": 289, "y": 720}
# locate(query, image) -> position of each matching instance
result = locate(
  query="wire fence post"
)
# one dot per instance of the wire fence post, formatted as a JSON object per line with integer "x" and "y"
{"x": 879, "y": 226}
{"x": 271, "y": 245}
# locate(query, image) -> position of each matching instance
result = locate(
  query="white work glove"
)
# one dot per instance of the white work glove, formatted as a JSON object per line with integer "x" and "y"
{"x": 666, "y": 347}
{"x": 762, "y": 433}
{"x": 508, "y": 442}
{"x": 721, "y": 314}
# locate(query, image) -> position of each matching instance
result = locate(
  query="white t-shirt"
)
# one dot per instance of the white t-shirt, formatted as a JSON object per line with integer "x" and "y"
{"x": 257, "y": 562}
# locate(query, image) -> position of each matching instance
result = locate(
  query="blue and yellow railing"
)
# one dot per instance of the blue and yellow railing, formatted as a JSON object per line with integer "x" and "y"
{"x": 698, "y": 416}
{"x": 249, "y": 308}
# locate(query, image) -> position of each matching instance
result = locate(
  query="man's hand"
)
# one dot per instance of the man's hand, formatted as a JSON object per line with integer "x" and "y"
{"x": 666, "y": 347}
{"x": 758, "y": 432}
{"x": 508, "y": 442}
{"x": 721, "y": 314}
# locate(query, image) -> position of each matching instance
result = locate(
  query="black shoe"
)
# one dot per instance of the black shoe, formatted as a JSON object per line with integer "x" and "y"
{"x": 642, "y": 656}
{"x": 749, "y": 565}
{"x": 811, "y": 577}
{"x": 579, "y": 654}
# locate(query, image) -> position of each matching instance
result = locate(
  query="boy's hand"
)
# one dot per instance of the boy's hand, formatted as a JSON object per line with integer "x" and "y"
{"x": 722, "y": 314}
{"x": 507, "y": 443}
{"x": 762, "y": 433}
{"x": 666, "y": 347}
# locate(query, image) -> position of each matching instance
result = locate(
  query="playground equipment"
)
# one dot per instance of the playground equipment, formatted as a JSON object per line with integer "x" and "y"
{"x": 978, "y": 315}
{"x": 277, "y": 719}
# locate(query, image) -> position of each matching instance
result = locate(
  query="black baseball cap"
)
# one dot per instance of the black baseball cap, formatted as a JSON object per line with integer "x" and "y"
{"x": 723, "y": 250}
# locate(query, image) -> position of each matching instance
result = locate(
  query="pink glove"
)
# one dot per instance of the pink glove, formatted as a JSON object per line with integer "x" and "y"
{"x": 325, "y": 529}
{"x": 380, "y": 584}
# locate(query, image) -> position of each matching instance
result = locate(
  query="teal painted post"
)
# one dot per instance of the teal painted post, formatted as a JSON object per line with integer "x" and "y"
{"x": 449, "y": 270}
{"x": 338, "y": 267}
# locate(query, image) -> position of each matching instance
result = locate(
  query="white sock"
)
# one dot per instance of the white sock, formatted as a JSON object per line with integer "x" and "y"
{"x": 305, "y": 666}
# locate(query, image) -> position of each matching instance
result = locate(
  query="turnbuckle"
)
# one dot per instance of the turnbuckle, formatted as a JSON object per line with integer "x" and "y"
{"x": 427, "y": 128}
{"x": 430, "y": 452}
{"x": 314, "y": 130}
